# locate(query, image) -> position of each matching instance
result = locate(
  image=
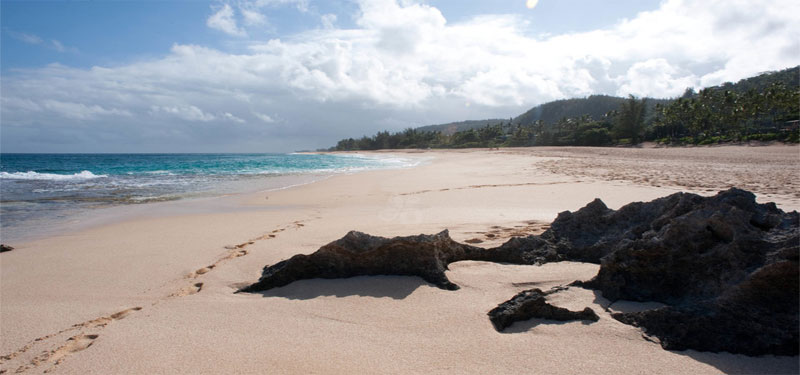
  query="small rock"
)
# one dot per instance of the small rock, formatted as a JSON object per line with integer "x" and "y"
{"x": 531, "y": 304}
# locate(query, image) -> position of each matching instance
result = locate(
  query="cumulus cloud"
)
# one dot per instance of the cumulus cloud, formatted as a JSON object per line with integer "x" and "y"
{"x": 404, "y": 65}
{"x": 224, "y": 20}
{"x": 245, "y": 14}
{"x": 655, "y": 78}
{"x": 253, "y": 17}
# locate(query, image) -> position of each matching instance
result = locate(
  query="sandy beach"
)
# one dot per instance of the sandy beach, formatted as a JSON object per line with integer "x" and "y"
{"x": 154, "y": 294}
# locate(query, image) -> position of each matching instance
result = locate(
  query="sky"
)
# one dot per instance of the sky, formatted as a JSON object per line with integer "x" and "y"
{"x": 286, "y": 75}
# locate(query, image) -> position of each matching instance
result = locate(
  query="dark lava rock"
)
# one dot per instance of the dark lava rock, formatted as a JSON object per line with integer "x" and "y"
{"x": 531, "y": 304}
{"x": 359, "y": 254}
{"x": 688, "y": 256}
{"x": 726, "y": 266}
{"x": 4, "y": 248}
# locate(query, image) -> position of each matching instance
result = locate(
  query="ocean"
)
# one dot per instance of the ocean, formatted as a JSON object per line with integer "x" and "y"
{"x": 43, "y": 190}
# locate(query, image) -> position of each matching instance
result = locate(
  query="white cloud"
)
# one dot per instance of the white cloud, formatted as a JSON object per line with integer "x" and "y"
{"x": 253, "y": 17}
{"x": 328, "y": 21}
{"x": 655, "y": 78}
{"x": 28, "y": 38}
{"x": 230, "y": 117}
{"x": 81, "y": 111}
{"x": 223, "y": 20}
{"x": 250, "y": 13}
{"x": 264, "y": 117}
{"x": 406, "y": 65}
{"x": 57, "y": 45}
{"x": 188, "y": 113}
{"x": 37, "y": 40}
{"x": 301, "y": 5}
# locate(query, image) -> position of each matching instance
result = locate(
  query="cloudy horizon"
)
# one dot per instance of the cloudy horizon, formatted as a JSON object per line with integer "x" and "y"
{"x": 284, "y": 75}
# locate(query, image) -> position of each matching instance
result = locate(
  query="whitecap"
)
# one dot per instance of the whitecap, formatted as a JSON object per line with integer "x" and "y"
{"x": 31, "y": 175}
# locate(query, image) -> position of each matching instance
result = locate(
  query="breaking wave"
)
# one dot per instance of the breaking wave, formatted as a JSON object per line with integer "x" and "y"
{"x": 30, "y": 175}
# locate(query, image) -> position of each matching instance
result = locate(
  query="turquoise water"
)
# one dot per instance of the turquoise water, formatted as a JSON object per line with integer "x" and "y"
{"x": 37, "y": 187}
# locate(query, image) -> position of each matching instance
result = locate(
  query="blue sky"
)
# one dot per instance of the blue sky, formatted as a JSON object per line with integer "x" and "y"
{"x": 108, "y": 33}
{"x": 281, "y": 75}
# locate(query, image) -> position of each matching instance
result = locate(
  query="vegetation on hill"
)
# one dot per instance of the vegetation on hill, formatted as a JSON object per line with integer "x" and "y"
{"x": 765, "y": 107}
{"x": 453, "y": 127}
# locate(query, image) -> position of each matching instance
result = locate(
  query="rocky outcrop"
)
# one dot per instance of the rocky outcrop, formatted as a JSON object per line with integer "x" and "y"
{"x": 726, "y": 266}
{"x": 359, "y": 254}
{"x": 531, "y": 304}
{"x": 698, "y": 253}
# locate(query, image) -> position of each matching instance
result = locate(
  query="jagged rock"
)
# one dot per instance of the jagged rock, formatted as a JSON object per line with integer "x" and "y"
{"x": 359, "y": 254}
{"x": 4, "y": 248}
{"x": 726, "y": 266}
{"x": 697, "y": 254}
{"x": 531, "y": 304}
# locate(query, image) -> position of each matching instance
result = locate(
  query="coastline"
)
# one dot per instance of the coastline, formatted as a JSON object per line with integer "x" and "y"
{"x": 372, "y": 324}
{"x": 221, "y": 198}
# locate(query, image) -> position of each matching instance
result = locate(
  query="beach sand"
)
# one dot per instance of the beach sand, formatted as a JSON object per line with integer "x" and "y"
{"x": 155, "y": 294}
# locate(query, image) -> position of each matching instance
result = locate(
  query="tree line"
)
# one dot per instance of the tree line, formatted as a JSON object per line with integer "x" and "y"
{"x": 763, "y": 108}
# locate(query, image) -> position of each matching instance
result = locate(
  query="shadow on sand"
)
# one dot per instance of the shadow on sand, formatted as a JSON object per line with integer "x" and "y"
{"x": 742, "y": 364}
{"x": 395, "y": 287}
{"x": 527, "y": 325}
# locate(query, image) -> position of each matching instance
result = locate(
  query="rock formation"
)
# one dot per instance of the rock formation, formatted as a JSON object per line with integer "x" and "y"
{"x": 726, "y": 266}
{"x": 530, "y": 304}
{"x": 359, "y": 254}
{"x": 4, "y": 248}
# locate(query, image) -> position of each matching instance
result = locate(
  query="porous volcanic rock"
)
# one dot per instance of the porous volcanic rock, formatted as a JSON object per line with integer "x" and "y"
{"x": 530, "y": 304}
{"x": 726, "y": 266}
{"x": 360, "y": 254}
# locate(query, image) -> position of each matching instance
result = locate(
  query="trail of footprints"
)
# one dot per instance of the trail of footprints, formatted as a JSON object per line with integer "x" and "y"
{"x": 54, "y": 357}
{"x": 236, "y": 251}
{"x": 88, "y": 330}
{"x": 484, "y": 186}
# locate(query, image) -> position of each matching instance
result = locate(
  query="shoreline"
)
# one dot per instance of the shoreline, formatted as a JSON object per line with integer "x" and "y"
{"x": 143, "y": 276}
{"x": 91, "y": 218}
{"x": 205, "y": 202}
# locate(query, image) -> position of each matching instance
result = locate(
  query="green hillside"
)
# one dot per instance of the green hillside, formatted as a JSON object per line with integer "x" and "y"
{"x": 765, "y": 107}
{"x": 453, "y": 127}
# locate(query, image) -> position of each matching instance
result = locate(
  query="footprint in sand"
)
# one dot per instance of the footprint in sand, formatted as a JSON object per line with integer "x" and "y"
{"x": 202, "y": 271}
{"x": 122, "y": 314}
{"x": 188, "y": 290}
{"x": 103, "y": 321}
{"x": 74, "y": 344}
